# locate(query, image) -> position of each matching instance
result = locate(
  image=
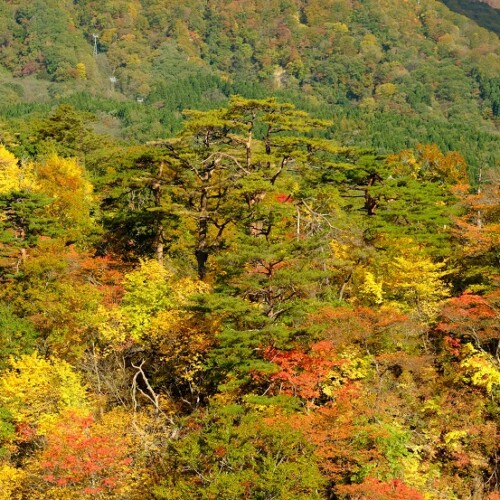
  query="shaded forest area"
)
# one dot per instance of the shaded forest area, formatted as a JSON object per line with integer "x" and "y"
{"x": 482, "y": 13}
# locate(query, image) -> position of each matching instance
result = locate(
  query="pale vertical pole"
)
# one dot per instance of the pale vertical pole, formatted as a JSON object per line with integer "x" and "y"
{"x": 95, "y": 44}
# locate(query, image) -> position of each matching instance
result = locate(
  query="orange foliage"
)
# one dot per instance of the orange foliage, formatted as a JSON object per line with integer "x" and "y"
{"x": 83, "y": 458}
{"x": 332, "y": 429}
{"x": 429, "y": 163}
{"x": 471, "y": 316}
{"x": 301, "y": 374}
{"x": 374, "y": 489}
{"x": 478, "y": 230}
{"x": 343, "y": 325}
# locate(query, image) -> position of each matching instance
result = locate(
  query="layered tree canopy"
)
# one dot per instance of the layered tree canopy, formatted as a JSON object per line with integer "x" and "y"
{"x": 247, "y": 309}
{"x": 249, "y": 249}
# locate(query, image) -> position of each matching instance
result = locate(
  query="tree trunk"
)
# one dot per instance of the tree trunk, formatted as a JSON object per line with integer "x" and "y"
{"x": 159, "y": 240}
{"x": 201, "y": 259}
{"x": 201, "y": 252}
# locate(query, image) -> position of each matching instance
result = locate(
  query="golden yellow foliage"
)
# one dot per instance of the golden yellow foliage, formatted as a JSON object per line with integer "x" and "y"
{"x": 340, "y": 251}
{"x": 415, "y": 282}
{"x": 406, "y": 278}
{"x": 64, "y": 180}
{"x": 11, "y": 479}
{"x": 478, "y": 369}
{"x": 14, "y": 177}
{"x": 81, "y": 71}
{"x": 35, "y": 390}
{"x": 354, "y": 366}
{"x": 152, "y": 304}
{"x": 372, "y": 289}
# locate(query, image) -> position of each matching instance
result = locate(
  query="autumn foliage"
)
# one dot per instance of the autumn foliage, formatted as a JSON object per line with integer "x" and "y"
{"x": 81, "y": 456}
{"x": 246, "y": 310}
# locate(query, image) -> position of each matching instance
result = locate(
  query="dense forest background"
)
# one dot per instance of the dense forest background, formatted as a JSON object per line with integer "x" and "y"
{"x": 392, "y": 74}
{"x": 249, "y": 249}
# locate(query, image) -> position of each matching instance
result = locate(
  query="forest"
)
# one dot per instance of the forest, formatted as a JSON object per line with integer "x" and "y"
{"x": 250, "y": 250}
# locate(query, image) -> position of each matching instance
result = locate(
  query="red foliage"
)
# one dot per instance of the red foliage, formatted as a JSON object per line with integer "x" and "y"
{"x": 452, "y": 345}
{"x": 284, "y": 198}
{"x": 469, "y": 305}
{"x": 374, "y": 489}
{"x": 79, "y": 457}
{"x": 470, "y": 316}
{"x": 301, "y": 374}
{"x": 25, "y": 432}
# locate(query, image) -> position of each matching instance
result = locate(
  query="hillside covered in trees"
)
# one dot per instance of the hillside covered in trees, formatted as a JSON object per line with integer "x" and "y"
{"x": 393, "y": 74}
{"x": 248, "y": 249}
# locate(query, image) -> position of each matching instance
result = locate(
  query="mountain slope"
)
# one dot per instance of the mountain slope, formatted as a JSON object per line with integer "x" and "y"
{"x": 393, "y": 73}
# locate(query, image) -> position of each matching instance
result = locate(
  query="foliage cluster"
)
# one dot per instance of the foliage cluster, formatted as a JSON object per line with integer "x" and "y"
{"x": 245, "y": 310}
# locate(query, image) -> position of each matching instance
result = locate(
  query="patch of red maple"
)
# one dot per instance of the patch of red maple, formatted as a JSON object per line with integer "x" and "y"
{"x": 79, "y": 457}
{"x": 284, "y": 198}
{"x": 374, "y": 489}
{"x": 301, "y": 374}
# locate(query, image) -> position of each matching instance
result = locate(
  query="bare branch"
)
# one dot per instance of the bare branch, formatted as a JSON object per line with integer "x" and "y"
{"x": 152, "y": 396}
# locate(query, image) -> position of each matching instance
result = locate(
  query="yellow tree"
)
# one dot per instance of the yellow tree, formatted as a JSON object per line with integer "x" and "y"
{"x": 11, "y": 479}
{"x": 35, "y": 390}
{"x": 415, "y": 282}
{"x": 49, "y": 198}
{"x": 19, "y": 208}
{"x": 406, "y": 278}
{"x": 154, "y": 317}
{"x": 14, "y": 175}
{"x": 64, "y": 180}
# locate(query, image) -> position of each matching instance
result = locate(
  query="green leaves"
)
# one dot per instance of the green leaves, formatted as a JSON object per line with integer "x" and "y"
{"x": 17, "y": 335}
{"x": 236, "y": 453}
{"x": 24, "y": 218}
{"x": 229, "y": 162}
